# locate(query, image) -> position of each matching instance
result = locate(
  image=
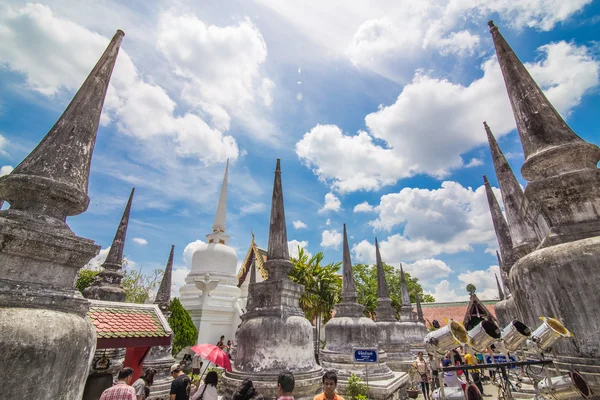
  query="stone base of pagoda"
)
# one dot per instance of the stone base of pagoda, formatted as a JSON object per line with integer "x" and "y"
{"x": 161, "y": 359}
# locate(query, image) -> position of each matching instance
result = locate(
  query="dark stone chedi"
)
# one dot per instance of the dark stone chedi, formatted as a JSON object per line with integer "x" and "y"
{"x": 274, "y": 334}
{"x": 560, "y": 277}
{"x": 107, "y": 284}
{"x": 43, "y": 322}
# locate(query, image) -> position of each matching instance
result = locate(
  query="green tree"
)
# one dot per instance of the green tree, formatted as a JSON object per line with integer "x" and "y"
{"x": 365, "y": 278}
{"x": 85, "y": 277}
{"x": 471, "y": 288}
{"x": 322, "y": 286}
{"x": 185, "y": 332}
{"x": 137, "y": 286}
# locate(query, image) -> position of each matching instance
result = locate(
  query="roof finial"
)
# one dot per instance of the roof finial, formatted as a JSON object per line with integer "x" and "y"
{"x": 107, "y": 285}
{"x": 53, "y": 179}
{"x": 551, "y": 147}
{"x": 524, "y": 238}
{"x": 163, "y": 296}
{"x": 382, "y": 286}
{"x": 278, "y": 263}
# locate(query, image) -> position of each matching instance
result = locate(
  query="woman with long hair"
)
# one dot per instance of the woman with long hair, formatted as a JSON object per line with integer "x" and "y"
{"x": 247, "y": 391}
{"x": 145, "y": 381}
{"x": 423, "y": 375}
{"x": 208, "y": 390}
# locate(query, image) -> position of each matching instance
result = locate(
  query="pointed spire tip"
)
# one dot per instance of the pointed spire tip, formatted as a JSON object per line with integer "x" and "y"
{"x": 120, "y": 33}
{"x": 491, "y": 24}
{"x": 278, "y": 166}
{"x": 485, "y": 180}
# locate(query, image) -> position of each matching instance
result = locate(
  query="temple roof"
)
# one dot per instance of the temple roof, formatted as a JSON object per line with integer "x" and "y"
{"x": 257, "y": 253}
{"x": 456, "y": 310}
{"x": 128, "y": 325}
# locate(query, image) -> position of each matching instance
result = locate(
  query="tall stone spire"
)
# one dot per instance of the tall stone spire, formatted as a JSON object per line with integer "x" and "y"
{"x": 278, "y": 263}
{"x": 420, "y": 316}
{"x": 53, "y": 179}
{"x": 406, "y": 311}
{"x": 500, "y": 292}
{"x": 163, "y": 296}
{"x": 107, "y": 285}
{"x": 503, "y": 273}
{"x": 348, "y": 287}
{"x": 523, "y": 235}
{"x": 218, "y": 229}
{"x": 550, "y": 145}
{"x": 384, "y": 311}
{"x": 500, "y": 226}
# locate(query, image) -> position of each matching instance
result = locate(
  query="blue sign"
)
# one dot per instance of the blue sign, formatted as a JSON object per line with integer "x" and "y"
{"x": 365, "y": 355}
{"x": 499, "y": 359}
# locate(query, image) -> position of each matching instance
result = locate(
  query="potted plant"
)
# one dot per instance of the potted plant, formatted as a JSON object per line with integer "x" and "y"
{"x": 413, "y": 390}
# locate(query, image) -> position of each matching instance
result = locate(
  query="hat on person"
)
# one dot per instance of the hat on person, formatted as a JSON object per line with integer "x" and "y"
{"x": 175, "y": 367}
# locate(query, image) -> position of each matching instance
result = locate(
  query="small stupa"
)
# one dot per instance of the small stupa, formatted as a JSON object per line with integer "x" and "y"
{"x": 350, "y": 329}
{"x": 43, "y": 320}
{"x": 160, "y": 357}
{"x": 400, "y": 339}
{"x": 274, "y": 334}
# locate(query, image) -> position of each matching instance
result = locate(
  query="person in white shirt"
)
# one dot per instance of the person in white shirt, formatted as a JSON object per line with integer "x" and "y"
{"x": 208, "y": 390}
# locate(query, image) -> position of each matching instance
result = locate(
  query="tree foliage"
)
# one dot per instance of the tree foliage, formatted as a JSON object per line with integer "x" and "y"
{"x": 85, "y": 277}
{"x": 365, "y": 279}
{"x": 185, "y": 332}
{"x": 137, "y": 286}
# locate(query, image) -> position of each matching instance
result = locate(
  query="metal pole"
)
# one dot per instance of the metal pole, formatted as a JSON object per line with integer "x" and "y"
{"x": 440, "y": 376}
{"x": 367, "y": 378}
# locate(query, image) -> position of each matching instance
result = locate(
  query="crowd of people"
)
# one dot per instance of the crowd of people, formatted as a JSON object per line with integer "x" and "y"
{"x": 182, "y": 388}
{"x": 426, "y": 372}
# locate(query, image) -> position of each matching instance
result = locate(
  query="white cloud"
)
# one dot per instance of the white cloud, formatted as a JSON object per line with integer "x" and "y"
{"x": 178, "y": 279}
{"x": 475, "y": 162}
{"x": 444, "y": 292}
{"x": 300, "y": 225}
{"x": 65, "y": 53}
{"x": 484, "y": 281}
{"x": 363, "y": 207}
{"x": 462, "y": 42}
{"x": 328, "y": 222}
{"x": 331, "y": 238}
{"x": 293, "y": 247}
{"x": 253, "y": 208}
{"x": 97, "y": 261}
{"x": 189, "y": 250}
{"x": 140, "y": 241}
{"x": 332, "y": 203}
{"x": 6, "y": 169}
{"x": 416, "y": 143}
{"x": 221, "y": 68}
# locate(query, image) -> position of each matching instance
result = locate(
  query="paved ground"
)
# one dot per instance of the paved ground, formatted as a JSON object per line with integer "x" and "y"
{"x": 490, "y": 390}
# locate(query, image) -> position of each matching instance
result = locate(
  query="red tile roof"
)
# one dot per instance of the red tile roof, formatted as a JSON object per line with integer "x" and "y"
{"x": 454, "y": 310}
{"x": 128, "y": 325}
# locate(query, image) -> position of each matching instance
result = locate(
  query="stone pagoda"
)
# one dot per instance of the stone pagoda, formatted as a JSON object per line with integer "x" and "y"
{"x": 211, "y": 291}
{"x": 560, "y": 277}
{"x": 274, "y": 334}
{"x": 107, "y": 284}
{"x": 160, "y": 357}
{"x": 43, "y": 319}
{"x": 399, "y": 339}
{"x": 350, "y": 329}
{"x": 107, "y": 287}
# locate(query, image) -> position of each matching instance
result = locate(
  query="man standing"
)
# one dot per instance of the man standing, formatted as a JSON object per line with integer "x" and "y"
{"x": 285, "y": 386}
{"x": 180, "y": 387}
{"x": 475, "y": 372}
{"x": 122, "y": 390}
{"x": 329, "y": 387}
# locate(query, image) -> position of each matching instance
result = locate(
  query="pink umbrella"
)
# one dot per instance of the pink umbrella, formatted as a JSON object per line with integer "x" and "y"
{"x": 213, "y": 354}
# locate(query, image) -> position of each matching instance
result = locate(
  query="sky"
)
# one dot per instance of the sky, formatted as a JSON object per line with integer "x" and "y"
{"x": 375, "y": 109}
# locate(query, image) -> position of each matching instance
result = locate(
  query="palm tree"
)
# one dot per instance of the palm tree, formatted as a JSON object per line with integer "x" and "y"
{"x": 322, "y": 286}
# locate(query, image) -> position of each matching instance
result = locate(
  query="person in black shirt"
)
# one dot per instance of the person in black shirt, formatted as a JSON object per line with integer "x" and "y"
{"x": 180, "y": 387}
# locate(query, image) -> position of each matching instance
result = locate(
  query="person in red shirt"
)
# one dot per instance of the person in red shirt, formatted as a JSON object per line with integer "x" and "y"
{"x": 122, "y": 390}
{"x": 329, "y": 387}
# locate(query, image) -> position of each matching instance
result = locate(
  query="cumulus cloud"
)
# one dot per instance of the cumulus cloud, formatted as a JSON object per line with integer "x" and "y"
{"x": 189, "y": 251}
{"x": 444, "y": 292}
{"x": 140, "y": 241}
{"x": 328, "y": 222}
{"x": 332, "y": 203}
{"x": 484, "y": 281}
{"x": 6, "y": 169}
{"x": 221, "y": 68}
{"x": 299, "y": 225}
{"x": 331, "y": 238}
{"x": 416, "y": 143}
{"x": 178, "y": 279}
{"x": 363, "y": 207}
{"x": 293, "y": 247}
{"x": 65, "y": 53}
{"x": 97, "y": 261}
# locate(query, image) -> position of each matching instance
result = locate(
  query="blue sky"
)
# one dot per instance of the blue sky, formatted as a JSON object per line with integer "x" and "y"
{"x": 375, "y": 109}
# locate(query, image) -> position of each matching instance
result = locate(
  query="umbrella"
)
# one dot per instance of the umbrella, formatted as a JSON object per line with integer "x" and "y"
{"x": 213, "y": 354}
